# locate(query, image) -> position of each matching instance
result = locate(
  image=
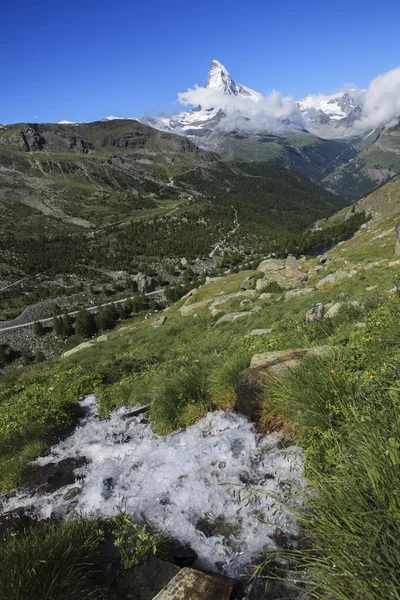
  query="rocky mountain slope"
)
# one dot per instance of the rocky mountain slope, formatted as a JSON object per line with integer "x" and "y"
{"x": 81, "y": 201}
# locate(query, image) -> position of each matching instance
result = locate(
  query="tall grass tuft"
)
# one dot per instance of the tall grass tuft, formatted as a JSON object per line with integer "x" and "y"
{"x": 348, "y": 421}
{"x": 223, "y": 379}
{"x": 51, "y": 563}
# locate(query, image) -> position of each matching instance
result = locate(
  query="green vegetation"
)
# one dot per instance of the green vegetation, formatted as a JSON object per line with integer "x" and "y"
{"x": 64, "y": 561}
{"x": 51, "y": 562}
{"x": 345, "y": 412}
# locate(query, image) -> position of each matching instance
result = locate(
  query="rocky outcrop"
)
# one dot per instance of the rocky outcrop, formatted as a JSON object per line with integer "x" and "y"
{"x": 265, "y": 368}
{"x": 32, "y": 139}
{"x": 145, "y": 283}
{"x": 78, "y": 144}
{"x": 190, "y": 584}
{"x": 316, "y": 313}
{"x": 284, "y": 272}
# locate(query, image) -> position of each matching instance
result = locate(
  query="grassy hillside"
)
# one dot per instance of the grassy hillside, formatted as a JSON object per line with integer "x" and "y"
{"x": 343, "y": 409}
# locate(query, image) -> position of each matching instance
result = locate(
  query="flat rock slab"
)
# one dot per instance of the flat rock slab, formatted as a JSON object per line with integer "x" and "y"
{"x": 144, "y": 581}
{"x": 190, "y": 584}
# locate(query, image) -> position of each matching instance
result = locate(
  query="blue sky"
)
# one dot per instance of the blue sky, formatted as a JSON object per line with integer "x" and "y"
{"x": 85, "y": 60}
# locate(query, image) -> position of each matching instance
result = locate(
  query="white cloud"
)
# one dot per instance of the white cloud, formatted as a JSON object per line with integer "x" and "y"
{"x": 380, "y": 102}
{"x": 246, "y": 113}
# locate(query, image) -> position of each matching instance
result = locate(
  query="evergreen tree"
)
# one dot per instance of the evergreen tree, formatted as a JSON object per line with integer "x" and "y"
{"x": 38, "y": 328}
{"x": 58, "y": 326}
{"x": 67, "y": 328}
{"x": 85, "y": 324}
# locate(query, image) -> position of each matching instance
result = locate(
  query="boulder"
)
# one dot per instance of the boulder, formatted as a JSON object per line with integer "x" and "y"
{"x": 223, "y": 299}
{"x": 265, "y": 368}
{"x": 76, "y": 349}
{"x": 259, "y": 332}
{"x": 53, "y": 476}
{"x": 190, "y": 584}
{"x": 189, "y": 309}
{"x": 301, "y": 292}
{"x": 284, "y": 272}
{"x": 246, "y": 284}
{"x": 145, "y": 283}
{"x": 316, "y": 313}
{"x": 265, "y": 296}
{"x": 245, "y": 302}
{"x": 233, "y": 317}
{"x": 328, "y": 279}
{"x": 146, "y": 580}
{"x": 158, "y": 322}
{"x": 333, "y": 311}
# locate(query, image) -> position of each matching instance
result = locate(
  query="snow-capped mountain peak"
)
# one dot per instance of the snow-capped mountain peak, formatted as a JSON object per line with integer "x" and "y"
{"x": 220, "y": 80}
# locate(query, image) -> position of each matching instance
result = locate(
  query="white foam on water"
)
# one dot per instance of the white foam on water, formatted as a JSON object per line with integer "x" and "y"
{"x": 174, "y": 481}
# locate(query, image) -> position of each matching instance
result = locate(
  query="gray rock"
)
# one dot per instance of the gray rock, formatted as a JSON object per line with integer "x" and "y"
{"x": 328, "y": 279}
{"x": 259, "y": 332}
{"x": 257, "y": 309}
{"x": 158, "y": 322}
{"x": 286, "y": 273}
{"x": 145, "y": 283}
{"x": 233, "y": 317}
{"x": 246, "y": 284}
{"x": 294, "y": 293}
{"x": 102, "y": 338}
{"x": 265, "y": 296}
{"x": 333, "y": 311}
{"x": 245, "y": 302}
{"x": 316, "y": 313}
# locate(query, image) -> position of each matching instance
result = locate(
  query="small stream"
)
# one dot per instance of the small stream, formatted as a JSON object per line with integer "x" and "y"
{"x": 194, "y": 484}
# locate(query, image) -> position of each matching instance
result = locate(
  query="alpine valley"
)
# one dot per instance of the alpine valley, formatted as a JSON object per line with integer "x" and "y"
{"x": 200, "y": 349}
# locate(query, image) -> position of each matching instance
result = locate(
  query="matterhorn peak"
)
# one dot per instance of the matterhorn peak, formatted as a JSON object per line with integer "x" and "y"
{"x": 220, "y": 80}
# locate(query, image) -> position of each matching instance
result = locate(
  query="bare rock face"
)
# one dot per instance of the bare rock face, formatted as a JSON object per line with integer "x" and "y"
{"x": 32, "y": 140}
{"x": 78, "y": 144}
{"x": 316, "y": 313}
{"x": 285, "y": 272}
{"x": 145, "y": 283}
{"x": 397, "y": 246}
{"x": 265, "y": 368}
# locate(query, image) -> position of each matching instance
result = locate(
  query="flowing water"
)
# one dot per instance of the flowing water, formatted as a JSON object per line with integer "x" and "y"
{"x": 195, "y": 484}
